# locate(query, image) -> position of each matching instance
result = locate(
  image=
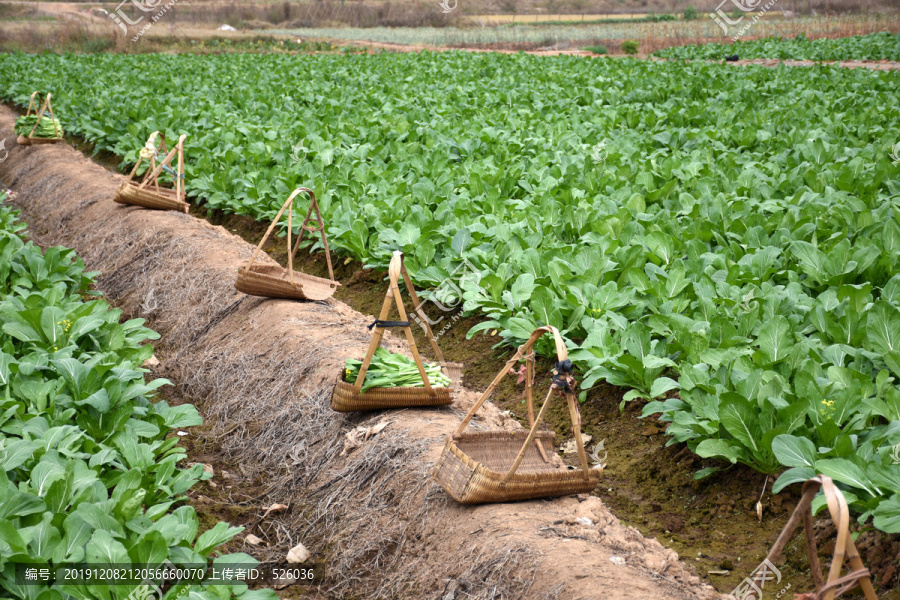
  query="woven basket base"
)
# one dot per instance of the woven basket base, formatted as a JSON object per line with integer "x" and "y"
{"x": 166, "y": 199}
{"x": 26, "y": 141}
{"x": 272, "y": 282}
{"x": 345, "y": 398}
{"x": 472, "y": 467}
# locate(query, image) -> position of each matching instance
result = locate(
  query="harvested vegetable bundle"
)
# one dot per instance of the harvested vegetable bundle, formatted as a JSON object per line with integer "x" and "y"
{"x": 393, "y": 370}
{"x": 47, "y": 128}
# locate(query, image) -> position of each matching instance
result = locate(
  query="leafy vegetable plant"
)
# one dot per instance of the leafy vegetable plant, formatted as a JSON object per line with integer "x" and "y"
{"x": 88, "y": 473}
{"x": 724, "y": 242}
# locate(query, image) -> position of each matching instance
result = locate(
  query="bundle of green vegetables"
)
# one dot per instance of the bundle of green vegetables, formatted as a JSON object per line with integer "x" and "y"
{"x": 393, "y": 370}
{"x": 47, "y": 128}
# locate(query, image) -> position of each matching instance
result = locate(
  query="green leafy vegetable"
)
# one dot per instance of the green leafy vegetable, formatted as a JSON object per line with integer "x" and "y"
{"x": 46, "y": 128}
{"x": 393, "y": 370}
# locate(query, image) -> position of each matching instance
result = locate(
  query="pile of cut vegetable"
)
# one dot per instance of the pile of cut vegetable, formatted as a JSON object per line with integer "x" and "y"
{"x": 47, "y": 128}
{"x": 393, "y": 370}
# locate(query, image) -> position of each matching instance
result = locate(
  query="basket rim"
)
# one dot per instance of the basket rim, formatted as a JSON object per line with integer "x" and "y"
{"x": 254, "y": 273}
{"x": 501, "y": 434}
{"x": 382, "y": 389}
{"x": 163, "y": 191}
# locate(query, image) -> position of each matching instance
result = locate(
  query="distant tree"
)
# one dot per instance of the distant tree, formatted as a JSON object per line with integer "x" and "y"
{"x": 690, "y": 13}
{"x": 630, "y": 46}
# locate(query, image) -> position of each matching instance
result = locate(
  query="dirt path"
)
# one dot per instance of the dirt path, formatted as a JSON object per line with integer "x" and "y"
{"x": 261, "y": 372}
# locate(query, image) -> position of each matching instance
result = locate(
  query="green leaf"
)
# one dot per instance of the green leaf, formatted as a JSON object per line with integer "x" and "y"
{"x": 883, "y": 328}
{"x": 793, "y": 451}
{"x": 775, "y": 340}
{"x": 713, "y": 448}
{"x": 846, "y": 472}
{"x": 663, "y": 385}
{"x": 740, "y": 419}
{"x": 15, "y": 453}
{"x": 887, "y": 515}
{"x": 461, "y": 241}
{"x": 218, "y": 535}
{"x": 792, "y": 476}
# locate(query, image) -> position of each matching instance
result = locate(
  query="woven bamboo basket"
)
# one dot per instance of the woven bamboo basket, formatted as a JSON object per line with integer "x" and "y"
{"x": 161, "y": 199}
{"x": 274, "y": 281}
{"x": 348, "y": 397}
{"x": 844, "y": 549}
{"x": 30, "y": 140}
{"x": 147, "y": 193}
{"x": 502, "y": 466}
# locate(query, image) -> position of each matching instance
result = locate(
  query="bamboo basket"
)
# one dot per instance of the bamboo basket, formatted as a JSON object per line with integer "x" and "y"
{"x": 844, "y": 548}
{"x": 147, "y": 193}
{"x": 30, "y": 140}
{"x": 348, "y": 397}
{"x": 274, "y": 281}
{"x": 501, "y": 466}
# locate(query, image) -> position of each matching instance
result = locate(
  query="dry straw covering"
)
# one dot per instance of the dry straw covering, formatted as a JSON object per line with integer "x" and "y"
{"x": 499, "y": 466}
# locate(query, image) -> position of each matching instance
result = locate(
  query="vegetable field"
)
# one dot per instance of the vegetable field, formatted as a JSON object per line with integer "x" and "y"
{"x": 88, "y": 473}
{"x": 877, "y": 46}
{"x": 723, "y": 242}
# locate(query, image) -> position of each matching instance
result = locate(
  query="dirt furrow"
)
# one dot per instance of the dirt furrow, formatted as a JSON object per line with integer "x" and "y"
{"x": 262, "y": 371}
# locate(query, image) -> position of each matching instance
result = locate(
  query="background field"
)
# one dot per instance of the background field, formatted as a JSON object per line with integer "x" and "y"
{"x": 84, "y": 27}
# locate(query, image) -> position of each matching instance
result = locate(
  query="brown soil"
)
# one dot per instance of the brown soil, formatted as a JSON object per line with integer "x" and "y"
{"x": 261, "y": 372}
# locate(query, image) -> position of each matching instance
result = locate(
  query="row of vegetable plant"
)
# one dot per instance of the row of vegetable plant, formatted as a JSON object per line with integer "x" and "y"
{"x": 721, "y": 241}
{"x": 875, "y": 46}
{"x": 89, "y": 474}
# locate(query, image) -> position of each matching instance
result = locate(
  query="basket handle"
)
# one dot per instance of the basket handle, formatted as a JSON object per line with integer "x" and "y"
{"x": 153, "y": 175}
{"x": 32, "y": 106}
{"x": 306, "y": 227}
{"x": 524, "y": 350}
{"x": 395, "y": 270}
{"x": 844, "y": 546}
{"x": 289, "y": 206}
{"x": 417, "y": 307}
{"x": 150, "y": 140}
